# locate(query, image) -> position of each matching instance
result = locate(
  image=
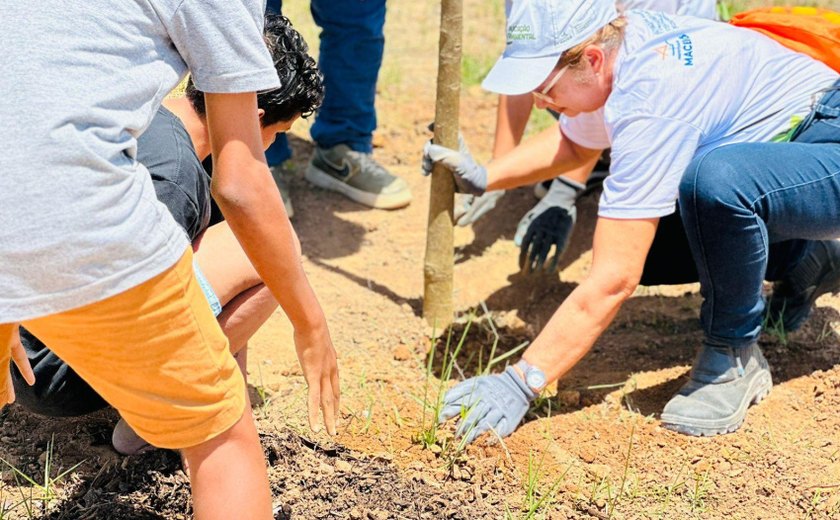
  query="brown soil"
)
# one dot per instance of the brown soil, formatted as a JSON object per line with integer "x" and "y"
{"x": 594, "y": 446}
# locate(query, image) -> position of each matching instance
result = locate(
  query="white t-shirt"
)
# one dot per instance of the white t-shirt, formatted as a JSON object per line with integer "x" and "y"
{"x": 682, "y": 87}
{"x": 79, "y": 219}
{"x": 698, "y": 8}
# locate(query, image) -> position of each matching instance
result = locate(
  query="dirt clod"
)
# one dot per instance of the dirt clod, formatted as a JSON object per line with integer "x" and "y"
{"x": 587, "y": 455}
{"x": 402, "y": 353}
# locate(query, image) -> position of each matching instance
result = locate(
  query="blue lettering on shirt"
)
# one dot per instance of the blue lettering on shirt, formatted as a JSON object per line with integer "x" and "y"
{"x": 658, "y": 23}
{"x": 681, "y": 49}
{"x": 687, "y": 50}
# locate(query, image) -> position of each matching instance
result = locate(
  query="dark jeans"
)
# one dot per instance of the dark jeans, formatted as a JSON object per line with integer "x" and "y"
{"x": 350, "y": 55}
{"x": 750, "y": 213}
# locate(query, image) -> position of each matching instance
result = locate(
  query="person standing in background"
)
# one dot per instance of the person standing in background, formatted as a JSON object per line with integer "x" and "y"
{"x": 350, "y": 55}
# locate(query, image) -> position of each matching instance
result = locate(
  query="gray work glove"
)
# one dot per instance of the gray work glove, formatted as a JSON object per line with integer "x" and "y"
{"x": 470, "y": 177}
{"x": 469, "y": 208}
{"x": 547, "y": 225}
{"x": 497, "y": 402}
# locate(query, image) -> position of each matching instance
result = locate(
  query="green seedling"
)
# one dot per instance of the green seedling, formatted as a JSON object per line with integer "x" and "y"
{"x": 398, "y": 420}
{"x": 430, "y": 423}
{"x": 776, "y": 327}
{"x": 25, "y": 501}
{"x": 670, "y": 490}
{"x": 535, "y": 498}
{"x": 816, "y": 498}
{"x": 8, "y": 507}
{"x": 494, "y": 360}
{"x": 462, "y": 441}
{"x": 827, "y": 332}
{"x": 367, "y": 416}
{"x": 699, "y": 492}
{"x": 508, "y": 513}
{"x": 434, "y": 391}
{"x": 370, "y": 398}
{"x": 47, "y": 489}
{"x": 265, "y": 399}
{"x": 613, "y": 502}
{"x": 496, "y": 337}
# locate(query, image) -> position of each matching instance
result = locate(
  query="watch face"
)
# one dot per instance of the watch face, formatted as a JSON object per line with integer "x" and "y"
{"x": 535, "y": 379}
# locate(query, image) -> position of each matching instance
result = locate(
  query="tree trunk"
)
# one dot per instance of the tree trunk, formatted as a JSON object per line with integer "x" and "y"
{"x": 438, "y": 266}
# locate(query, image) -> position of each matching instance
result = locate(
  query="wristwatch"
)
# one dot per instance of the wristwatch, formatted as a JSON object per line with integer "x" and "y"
{"x": 533, "y": 376}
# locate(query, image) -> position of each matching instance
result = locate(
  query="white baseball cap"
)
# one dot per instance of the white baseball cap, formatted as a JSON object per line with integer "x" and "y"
{"x": 538, "y": 33}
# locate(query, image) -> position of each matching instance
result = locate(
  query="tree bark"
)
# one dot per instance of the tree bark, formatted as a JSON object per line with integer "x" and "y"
{"x": 439, "y": 262}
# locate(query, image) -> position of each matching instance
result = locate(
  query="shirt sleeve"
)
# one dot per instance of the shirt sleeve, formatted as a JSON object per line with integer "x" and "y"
{"x": 221, "y": 42}
{"x": 648, "y": 158}
{"x": 587, "y": 130}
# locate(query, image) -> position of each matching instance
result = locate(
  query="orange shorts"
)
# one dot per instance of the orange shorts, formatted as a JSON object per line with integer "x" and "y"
{"x": 157, "y": 354}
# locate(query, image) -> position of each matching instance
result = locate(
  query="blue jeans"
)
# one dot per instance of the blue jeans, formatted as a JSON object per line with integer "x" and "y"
{"x": 351, "y": 49}
{"x": 750, "y": 212}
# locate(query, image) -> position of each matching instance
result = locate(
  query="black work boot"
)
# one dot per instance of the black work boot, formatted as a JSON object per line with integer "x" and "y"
{"x": 816, "y": 274}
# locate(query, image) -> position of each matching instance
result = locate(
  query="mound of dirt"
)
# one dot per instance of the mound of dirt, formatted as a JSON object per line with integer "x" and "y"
{"x": 308, "y": 481}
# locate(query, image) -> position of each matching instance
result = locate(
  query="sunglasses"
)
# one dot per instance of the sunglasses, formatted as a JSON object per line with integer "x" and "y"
{"x": 542, "y": 95}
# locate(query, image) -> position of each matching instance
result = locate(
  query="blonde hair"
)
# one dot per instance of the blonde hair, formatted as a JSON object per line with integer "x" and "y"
{"x": 609, "y": 37}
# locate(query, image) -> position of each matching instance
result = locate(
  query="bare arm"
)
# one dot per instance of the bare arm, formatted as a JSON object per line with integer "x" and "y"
{"x": 511, "y": 119}
{"x": 248, "y": 197}
{"x": 540, "y": 158}
{"x": 620, "y": 248}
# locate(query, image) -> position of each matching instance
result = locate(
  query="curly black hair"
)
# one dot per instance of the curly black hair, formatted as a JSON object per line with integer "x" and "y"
{"x": 301, "y": 88}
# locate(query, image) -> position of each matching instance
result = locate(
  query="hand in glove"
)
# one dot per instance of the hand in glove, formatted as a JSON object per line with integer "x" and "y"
{"x": 497, "y": 402}
{"x": 548, "y": 224}
{"x": 469, "y": 208}
{"x": 470, "y": 177}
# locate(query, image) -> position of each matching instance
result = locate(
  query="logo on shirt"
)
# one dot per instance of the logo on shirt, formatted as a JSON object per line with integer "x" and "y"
{"x": 681, "y": 49}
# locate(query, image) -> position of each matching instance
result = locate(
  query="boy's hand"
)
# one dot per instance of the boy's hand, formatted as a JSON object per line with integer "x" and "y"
{"x": 14, "y": 351}
{"x": 320, "y": 369}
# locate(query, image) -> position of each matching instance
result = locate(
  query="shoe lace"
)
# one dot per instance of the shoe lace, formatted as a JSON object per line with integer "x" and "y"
{"x": 369, "y": 165}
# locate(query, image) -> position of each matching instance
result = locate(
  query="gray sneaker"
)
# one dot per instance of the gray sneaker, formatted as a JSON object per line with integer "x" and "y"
{"x": 816, "y": 274}
{"x": 724, "y": 382}
{"x": 358, "y": 177}
{"x": 279, "y": 175}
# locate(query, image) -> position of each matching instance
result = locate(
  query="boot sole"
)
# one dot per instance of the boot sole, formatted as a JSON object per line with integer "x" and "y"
{"x": 760, "y": 389}
{"x": 326, "y": 181}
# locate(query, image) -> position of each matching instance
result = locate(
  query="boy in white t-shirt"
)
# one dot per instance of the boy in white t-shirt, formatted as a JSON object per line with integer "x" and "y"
{"x": 694, "y": 111}
{"x": 95, "y": 266}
